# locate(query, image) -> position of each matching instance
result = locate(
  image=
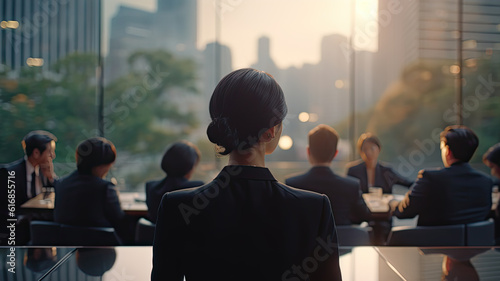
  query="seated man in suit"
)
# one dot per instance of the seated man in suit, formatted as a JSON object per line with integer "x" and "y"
{"x": 28, "y": 176}
{"x": 35, "y": 169}
{"x": 178, "y": 162}
{"x": 456, "y": 194}
{"x": 344, "y": 193}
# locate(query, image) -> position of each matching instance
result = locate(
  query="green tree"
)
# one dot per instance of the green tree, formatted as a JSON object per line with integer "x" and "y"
{"x": 61, "y": 101}
{"x": 144, "y": 109}
{"x": 141, "y": 117}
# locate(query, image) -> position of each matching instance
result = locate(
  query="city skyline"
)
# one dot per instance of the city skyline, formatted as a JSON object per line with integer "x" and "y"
{"x": 294, "y": 42}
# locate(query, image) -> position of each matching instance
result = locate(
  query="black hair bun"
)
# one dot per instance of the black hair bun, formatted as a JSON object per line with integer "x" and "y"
{"x": 219, "y": 132}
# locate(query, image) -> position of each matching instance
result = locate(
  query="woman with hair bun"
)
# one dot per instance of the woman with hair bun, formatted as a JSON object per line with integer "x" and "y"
{"x": 178, "y": 163}
{"x": 245, "y": 225}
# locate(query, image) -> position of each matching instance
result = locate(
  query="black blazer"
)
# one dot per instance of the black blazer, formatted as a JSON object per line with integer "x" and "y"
{"x": 385, "y": 176}
{"x": 86, "y": 200}
{"x": 19, "y": 167}
{"x": 454, "y": 195}
{"x": 344, "y": 193}
{"x": 245, "y": 225}
{"x": 156, "y": 189}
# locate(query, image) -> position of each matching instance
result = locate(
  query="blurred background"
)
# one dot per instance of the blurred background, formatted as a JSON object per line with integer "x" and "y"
{"x": 141, "y": 74}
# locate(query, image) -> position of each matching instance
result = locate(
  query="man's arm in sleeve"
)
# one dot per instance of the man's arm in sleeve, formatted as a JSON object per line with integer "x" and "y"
{"x": 414, "y": 199}
{"x": 360, "y": 209}
{"x": 115, "y": 215}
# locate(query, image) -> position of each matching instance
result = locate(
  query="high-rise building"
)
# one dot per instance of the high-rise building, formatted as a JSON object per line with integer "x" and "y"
{"x": 172, "y": 27}
{"x": 264, "y": 60}
{"x": 432, "y": 30}
{"x": 176, "y": 25}
{"x": 130, "y": 31}
{"x": 38, "y": 33}
{"x": 217, "y": 63}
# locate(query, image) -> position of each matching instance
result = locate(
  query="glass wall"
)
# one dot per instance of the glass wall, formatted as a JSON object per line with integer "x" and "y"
{"x": 142, "y": 73}
{"x": 49, "y": 56}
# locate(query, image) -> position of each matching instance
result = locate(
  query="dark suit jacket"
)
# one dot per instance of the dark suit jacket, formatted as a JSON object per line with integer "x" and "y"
{"x": 18, "y": 192}
{"x": 385, "y": 176}
{"x": 86, "y": 200}
{"x": 344, "y": 193}
{"x": 454, "y": 195}
{"x": 245, "y": 225}
{"x": 156, "y": 189}
{"x": 19, "y": 167}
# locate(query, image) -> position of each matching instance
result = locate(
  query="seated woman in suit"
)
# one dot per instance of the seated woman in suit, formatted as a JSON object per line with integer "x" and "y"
{"x": 85, "y": 198}
{"x": 370, "y": 171}
{"x": 245, "y": 225}
{"x": 492, "y": 159}
{"x": 178, "y": 162}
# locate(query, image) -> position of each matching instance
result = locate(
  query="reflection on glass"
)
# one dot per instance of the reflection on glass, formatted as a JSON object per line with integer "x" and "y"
{"x": 457, "y": 265}
{"x": 40, "y": 259}
{"x": 95, "y": 261}
{"x": 361, "y": 263}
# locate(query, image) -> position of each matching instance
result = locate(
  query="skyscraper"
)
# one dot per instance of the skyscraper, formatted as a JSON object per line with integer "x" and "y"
{"x": 38, "y": 33}
{"x": 264, "y": 60}
{"x": 130, "y": 31}
{"x": 176, "y": 25}
{"x": 172, "y": 27}
{"x": 433, "y": 30}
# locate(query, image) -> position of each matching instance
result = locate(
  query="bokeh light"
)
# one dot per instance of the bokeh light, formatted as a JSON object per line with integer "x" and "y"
{"x": 285, "y": 142}
{"x": 304, "y": 117}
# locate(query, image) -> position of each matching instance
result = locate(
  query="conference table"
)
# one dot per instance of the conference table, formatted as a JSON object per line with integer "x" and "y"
{"x": 132, "y": 203}
{"x": 380, "y": 205}
{"x": 357, "y": 263}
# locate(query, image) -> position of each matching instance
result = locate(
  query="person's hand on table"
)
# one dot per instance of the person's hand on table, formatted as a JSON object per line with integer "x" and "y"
{"x": 393, "y": 204}
{"x": 47, "y": 169}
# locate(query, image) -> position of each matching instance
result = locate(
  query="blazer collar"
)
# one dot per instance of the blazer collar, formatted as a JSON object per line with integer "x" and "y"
{"x": 247, "y": 172}
{"x": 321, "y": 169}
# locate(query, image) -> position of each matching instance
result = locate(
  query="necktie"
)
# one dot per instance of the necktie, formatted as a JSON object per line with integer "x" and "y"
{"x": 33, "y": 184}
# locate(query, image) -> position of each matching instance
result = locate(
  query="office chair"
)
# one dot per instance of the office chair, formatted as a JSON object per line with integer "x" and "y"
{"x": 144, "y": 232}
{"x": 447, "y": 235}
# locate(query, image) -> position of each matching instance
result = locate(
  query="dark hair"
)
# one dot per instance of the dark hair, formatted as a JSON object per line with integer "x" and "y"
{"x": 37, "y": 139}
{"x": 94, "y": 152}
{"x": 323, "y": 141}
{"x": 180, "y": 158}
{"x": 461, "y": 141}
{"x": 368, "y": 137}
{"x": 245, "y": 103}
{"x": 492, "y": 155}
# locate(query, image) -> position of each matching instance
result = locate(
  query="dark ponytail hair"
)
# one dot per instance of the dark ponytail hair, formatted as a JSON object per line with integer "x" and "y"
{"x": 94, "y": 152}
{"x": 245, "y": 103}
